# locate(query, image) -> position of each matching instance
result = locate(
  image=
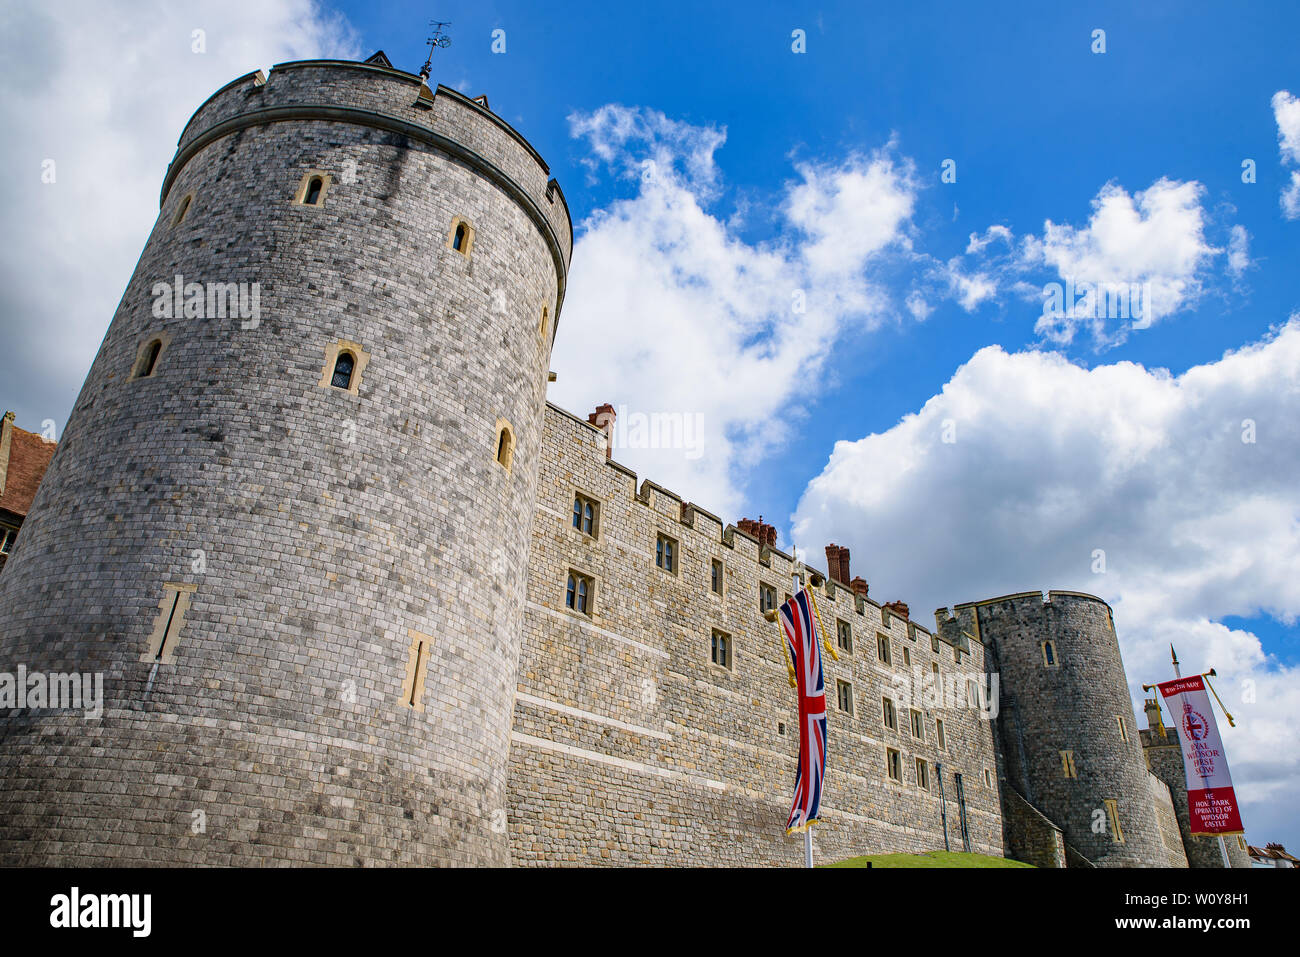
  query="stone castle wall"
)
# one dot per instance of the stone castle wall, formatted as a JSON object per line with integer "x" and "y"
{"x": 1167, "y": 820}
{"x": 312, "y": 537}
{"x": 1075, "y": 702}
{"x": 332, "y": 526}
{"x": 631, "y": 747}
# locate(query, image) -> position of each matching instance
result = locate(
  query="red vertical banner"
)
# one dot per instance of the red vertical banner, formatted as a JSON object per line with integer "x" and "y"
{"x": 1211, "y": 802}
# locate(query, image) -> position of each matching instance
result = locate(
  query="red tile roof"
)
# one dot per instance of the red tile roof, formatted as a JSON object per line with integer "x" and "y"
{"x": 29, "y": 456}
{"x": 1271, "y": 852}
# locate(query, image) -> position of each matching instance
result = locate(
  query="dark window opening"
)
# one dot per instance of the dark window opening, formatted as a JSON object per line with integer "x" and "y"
{"x": 150, "y": 358}
{"x": 343, "y": 367}
{"x": 313, "y": 191}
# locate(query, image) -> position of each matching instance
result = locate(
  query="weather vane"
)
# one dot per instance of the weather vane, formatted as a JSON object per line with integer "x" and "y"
{"x": 439, "y": 39}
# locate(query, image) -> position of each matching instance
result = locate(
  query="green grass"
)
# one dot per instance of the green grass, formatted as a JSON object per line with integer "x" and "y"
{"x": 928, "y": 859}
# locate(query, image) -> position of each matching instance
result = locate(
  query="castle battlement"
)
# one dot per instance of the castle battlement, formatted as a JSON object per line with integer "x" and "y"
{"x": 435, "y": 622}
{"x": 589, "y": 440}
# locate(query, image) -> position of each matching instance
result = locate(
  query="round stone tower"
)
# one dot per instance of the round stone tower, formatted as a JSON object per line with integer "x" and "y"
{"x": 288, "y": 520}
{"x": 1066, "y": 730}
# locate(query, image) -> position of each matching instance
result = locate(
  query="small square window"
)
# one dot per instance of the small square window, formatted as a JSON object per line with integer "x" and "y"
{"x": 844, "y": 696}
{"x": 844, "y": 635}
{"x": 666, "y": 556}
{"x": 579, "y": 593}
{"x": 715, "y": 576}
{"x": 766, "y": 597}
{"x": 889, "y": 717}
{"x": 586, "y": 514}
{"x": 922, "y": 774}
{"x": 722, "y": 650}
{"x": 894, "y": 764}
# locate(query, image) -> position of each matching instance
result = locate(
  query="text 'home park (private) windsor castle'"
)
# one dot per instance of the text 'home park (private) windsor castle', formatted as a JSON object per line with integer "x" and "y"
{"x": 432, "y": 621}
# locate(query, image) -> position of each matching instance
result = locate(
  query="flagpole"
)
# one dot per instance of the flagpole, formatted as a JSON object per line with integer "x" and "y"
{"x": 1223, "y": 847}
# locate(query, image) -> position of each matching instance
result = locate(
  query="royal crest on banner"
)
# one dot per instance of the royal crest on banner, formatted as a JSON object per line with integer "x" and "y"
{"x": 1211, "y": 803}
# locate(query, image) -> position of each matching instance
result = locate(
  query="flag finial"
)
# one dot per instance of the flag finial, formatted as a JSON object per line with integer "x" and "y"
{"x": 1173, "y": 654}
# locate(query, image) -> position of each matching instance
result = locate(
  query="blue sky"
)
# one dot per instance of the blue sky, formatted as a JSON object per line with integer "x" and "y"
{"x": 1036, "y": 122}
{"x": 779, "y": 175}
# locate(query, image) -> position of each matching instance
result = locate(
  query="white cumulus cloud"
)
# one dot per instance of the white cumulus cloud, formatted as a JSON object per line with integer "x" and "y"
{"x": 102, "y": 90}
{"x": 1186, "y": 484}
{"x": 671, "y": 312}
{"x": 1286, "y": 110}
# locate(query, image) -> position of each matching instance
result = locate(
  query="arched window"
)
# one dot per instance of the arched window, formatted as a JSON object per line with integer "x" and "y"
{"x": 1049, "y": 654}
{"x": 183, "y": 209}
{"x": 505, "y": 444}
{"x": 150, "y": 359}
{"x": 312, "y": 188}
{"x": 461, "y": 237}
{"x": 343, "y": 366}
{"x": 578, "y": 593}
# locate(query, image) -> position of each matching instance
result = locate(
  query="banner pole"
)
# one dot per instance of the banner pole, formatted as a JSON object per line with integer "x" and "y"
{"x": 1223, "y": 847}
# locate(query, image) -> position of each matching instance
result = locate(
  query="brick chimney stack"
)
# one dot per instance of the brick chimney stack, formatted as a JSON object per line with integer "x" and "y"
{"x": 898, "y": 608}
{"x": 837, "y": 564}
{"x": 603, "y": 419}
{"x": 859, "y": 586}
{"x": 765, "y": 533}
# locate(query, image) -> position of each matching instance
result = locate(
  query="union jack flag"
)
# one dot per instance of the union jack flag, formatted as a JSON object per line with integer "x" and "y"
{"x": 803, "y": 641}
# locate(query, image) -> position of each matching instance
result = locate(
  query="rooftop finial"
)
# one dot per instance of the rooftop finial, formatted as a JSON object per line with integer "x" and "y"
{"x": 439, "y": 39}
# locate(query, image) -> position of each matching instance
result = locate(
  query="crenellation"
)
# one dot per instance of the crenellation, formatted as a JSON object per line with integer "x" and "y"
{"x": 432, "y": 626}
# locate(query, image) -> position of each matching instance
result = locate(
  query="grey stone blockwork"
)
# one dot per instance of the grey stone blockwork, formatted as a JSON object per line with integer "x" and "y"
{"x": 1073, "y": 704}
{"x": 314, "y": 530}
{"x": 330, "y": 524}
{"x": 632, "y": 747}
